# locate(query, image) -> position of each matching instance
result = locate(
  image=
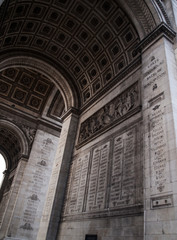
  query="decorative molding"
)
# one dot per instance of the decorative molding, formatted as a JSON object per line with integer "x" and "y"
{"x": 128, "y": 211}
{"x": 44, "y": 123}
{"x": 161, "y": 6}
{"x": 163, "y": 30}
{"x": 72, "y": 110}
{"x": 143, "y": 14}
{"x": 57, "y": 107}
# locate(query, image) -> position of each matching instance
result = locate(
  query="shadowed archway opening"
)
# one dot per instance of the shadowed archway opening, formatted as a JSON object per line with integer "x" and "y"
{"x": 2, "y": 168}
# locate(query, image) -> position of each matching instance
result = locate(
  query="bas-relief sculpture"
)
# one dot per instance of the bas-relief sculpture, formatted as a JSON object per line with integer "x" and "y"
{"x": 30, "y": 133}
{"x": 95, "y": 44}
{"x": 112, "y": 112}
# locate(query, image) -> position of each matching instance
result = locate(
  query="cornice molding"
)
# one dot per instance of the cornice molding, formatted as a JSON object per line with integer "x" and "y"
{"x": 70, "y": 111}
{"x": 163, "y": 30}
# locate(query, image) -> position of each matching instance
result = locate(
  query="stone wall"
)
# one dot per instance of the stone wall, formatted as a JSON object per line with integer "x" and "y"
{"x": 105, "y": 181}
{"x": 107, "y": 176}
{"x": 122, "y": 228}
{"x": 159, "y": 111}
{"x": 31, "y": 185}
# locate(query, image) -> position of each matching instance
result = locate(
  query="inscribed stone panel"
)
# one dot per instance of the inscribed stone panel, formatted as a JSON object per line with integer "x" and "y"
{"x": 76, "y": 188}
{"x": 98, "y": 178}
{"x": 159, "y": 163}
{"x": 123, "y": 170}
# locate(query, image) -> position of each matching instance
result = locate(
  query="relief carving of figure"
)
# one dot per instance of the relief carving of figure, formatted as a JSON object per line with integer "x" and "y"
{"x": 100, "y": 117}
{"x": 30, "y": 133}
{"x": 107, "y": 117}
{"x": 112, "y": 111}
{"x": 93, "y": 125}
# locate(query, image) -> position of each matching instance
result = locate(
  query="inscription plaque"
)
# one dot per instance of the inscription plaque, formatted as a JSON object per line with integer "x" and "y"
{"x": 123, "y": 170}
{"x": 158, "y": 143}
{"x": 109, "y": 179}
{"x": 77, "y": 184}
{"x": 98, "y": 178}
{"x": 155, "y": 71}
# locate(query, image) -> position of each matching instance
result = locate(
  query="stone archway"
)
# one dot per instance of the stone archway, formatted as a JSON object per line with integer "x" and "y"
{"x": 95, "y": 45}
{"x": 14, "y": 146}
{"x": 3, "y": 167}
{"x": 68, "y": 92}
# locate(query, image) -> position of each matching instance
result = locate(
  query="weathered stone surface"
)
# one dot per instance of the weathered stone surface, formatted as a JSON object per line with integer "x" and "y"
{"x": 88, "y": 120}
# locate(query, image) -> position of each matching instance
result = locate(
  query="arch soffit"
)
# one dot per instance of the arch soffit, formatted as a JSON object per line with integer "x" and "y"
{"x": 18, "y": 132}
{"x": 69, "y": 95}
{"x": 146, "y": 15}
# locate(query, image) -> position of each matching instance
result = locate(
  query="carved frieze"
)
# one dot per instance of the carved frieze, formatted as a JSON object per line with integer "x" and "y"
{"x": 111, "y": 113}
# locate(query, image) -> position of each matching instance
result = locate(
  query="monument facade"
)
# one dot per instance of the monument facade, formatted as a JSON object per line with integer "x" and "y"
{"x": 88, "y": 119}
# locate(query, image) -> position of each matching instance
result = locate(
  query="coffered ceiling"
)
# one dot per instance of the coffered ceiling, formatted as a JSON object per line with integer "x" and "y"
{"x": 91, "y": 41}
{"x": 25, "y": 88}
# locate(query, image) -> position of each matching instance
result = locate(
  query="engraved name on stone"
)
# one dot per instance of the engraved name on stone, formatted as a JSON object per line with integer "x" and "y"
{"x": 155, "y": 70}
{"x": 77, "y": 184}
{"x": 37, "y": 182}
{"x": 123, "y": 170}
{"x": 98, "y": 178}
{"x": 159, "y": 162}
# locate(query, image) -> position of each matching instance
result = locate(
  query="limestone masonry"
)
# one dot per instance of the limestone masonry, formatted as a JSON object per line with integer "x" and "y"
{"x": 88, "y": 119}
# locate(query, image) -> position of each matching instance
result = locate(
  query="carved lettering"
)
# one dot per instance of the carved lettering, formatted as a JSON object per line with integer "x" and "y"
{"x": 159, "y": 161}
{"x": 155, "y": 71}
{"x": 76, "y": 189}
{"x": 123, "y": 170}
{"x": 98, "y": 178}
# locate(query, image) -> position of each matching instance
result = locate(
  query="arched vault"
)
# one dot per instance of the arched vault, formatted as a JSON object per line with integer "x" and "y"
{"x": 13, "y": 143}
{"x": 82, "y": 46}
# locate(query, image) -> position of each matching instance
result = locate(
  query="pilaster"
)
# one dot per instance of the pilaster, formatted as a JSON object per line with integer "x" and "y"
{"x": 26, "y": 210}
{"x": 9, "y": 199}
{"x": 55, "y": 197}
{"x": 159, "y": 87}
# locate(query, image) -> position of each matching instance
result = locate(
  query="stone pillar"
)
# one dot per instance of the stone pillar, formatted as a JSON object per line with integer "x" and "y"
{"x": 55, "y": 197}
{"x": 9, "y": 198}
{"x": 26, "y": 211}
{"x": 159, "y": 94}
{"x": 174, "y": 5}
{"x": 2, "y": 187}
